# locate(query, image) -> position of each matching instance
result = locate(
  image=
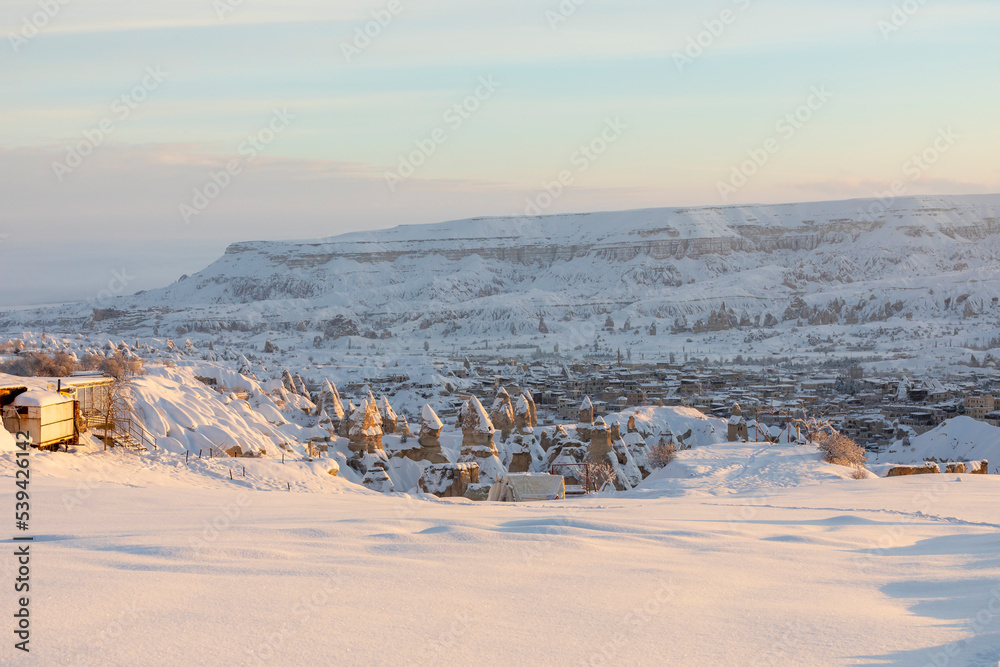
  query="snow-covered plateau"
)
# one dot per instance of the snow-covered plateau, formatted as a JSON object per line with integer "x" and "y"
{"x": 912, "y": 277}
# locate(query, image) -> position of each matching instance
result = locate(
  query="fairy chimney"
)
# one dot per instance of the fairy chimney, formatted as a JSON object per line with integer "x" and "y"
{"x": 585, "y": 423}
{"x": 428, "y": 439}
{"x": 403, "y": 427}
{"x": 477, "y": 441}
{"x": 738, "y": 431}
{"x": 600, "y": 441}
{"x": 502, "y": 414}
{"x": 522, "y": 415}
{"x": 326, "y": 423}
{"x": 531, "y": 406}
{"x": 288, "y": 382}
{"x": 300, "y": 385}
{"x": 365, "y": 431}
{"x": 387, "y": 414}
{"x": 330, "y": 403}
{"x": 345, "y": 424}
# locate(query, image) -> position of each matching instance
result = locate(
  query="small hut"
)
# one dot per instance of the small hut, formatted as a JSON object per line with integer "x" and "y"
{"x": 49, "y": 418}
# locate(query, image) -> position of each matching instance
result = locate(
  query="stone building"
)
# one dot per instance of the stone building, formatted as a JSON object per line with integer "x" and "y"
{"x": 738, "y": 431}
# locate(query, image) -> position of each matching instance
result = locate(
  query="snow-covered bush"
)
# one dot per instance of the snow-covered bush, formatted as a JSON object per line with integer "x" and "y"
{"x": 603, "y": 474}
{"x": 660, "y": 454}
{"x": 841, "y": 450}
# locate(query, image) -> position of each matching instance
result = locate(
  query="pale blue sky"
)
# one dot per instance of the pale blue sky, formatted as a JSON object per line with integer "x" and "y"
{"x": 610, "y": 59}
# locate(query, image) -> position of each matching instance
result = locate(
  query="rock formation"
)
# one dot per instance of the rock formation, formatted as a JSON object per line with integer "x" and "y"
{"x": 477, "y": 441}
{"x": 517, "y": 453}
{"x": 403, "y": 427}
{"x": 531, "y": 406}
{"x": 585, "y": 420}
{"x": 502, "y": 414}
{"x": 449, "y": 480}
{"x": 738, "y": 431}
{"x": 522, "y": 415}
{"x": 288, "y": 382}
{"x": 427, "y": 446}
{"x": 345, "y": 424}
{"x": 387, "y": 415}
{"x": 325, "y": 423}
{"x": 300, "y": 386}
{"x": 365, "y": 429}
{"x": 600, "y": 441}
{"x": 928, "y": 467}
{"x": 377, "y": 479}
{"x": 330, "y": 403}
{"x": 430, "y": 425}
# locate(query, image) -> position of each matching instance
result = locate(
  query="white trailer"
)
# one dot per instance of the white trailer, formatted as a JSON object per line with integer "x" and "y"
{"x": 49, "y": 418}
{"x": 527, "y": 487}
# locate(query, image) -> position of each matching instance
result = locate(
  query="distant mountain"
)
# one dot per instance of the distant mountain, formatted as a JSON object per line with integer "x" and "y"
{"x": 822, "y": 263}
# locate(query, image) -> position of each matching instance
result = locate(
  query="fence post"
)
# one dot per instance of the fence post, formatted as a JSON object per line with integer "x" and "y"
{"x": 187, "y": 455}
{"x": 230, "y": 473}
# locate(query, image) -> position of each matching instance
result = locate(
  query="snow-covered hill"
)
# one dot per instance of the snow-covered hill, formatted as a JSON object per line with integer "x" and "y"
{"x": 960, "y": 439}
{"x": 562, "y": 277}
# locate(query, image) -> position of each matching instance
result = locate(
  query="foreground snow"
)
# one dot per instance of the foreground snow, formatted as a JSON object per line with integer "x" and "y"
{"x": 775, "y": 562}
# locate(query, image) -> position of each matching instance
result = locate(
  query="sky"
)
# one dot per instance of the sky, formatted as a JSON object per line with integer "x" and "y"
{"x": 145, "y": 136}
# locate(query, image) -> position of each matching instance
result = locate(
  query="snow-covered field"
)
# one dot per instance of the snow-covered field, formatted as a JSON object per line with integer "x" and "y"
{"x": 734, "y": 554}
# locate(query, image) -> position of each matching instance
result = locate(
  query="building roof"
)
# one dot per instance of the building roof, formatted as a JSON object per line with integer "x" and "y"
{"x": 38, "y": 399}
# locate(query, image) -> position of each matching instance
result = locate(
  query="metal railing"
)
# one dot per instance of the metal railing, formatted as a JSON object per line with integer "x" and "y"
{"x": 121, "y": 430}
{"x": 129, "y": 428}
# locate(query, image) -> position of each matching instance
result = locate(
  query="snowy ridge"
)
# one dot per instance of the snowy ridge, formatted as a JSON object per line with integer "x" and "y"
{"x": 842, "y": 262}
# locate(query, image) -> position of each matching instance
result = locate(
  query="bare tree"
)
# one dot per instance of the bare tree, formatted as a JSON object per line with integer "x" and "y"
{"x": 660, "y": 454}
{"x": 120, "y": 403}
{"x": 841, "y": 450}
{"x": 602, "y": 473}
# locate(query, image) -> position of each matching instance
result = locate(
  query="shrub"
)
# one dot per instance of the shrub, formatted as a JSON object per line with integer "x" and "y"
{"x": 661, "y": 454}
{"x": 39, "y": 364}
{"x": 602, "y": 473}
{"x": 841, "y": 450}
{"x": 116, "y": 366}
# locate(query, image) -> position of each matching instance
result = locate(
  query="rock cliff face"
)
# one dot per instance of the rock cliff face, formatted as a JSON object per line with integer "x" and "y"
{"x": 698, "y": 269}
